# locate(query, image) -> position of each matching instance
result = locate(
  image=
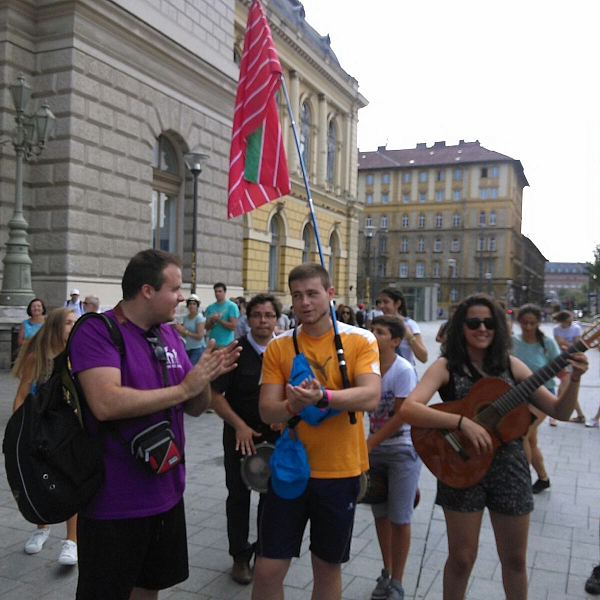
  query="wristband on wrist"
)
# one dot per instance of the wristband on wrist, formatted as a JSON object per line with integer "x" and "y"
{"x": 323, "y": 403}
{"x": 288, "y": 409}
{"x": 575, "y": 380}
{"x": 459, "y": 423}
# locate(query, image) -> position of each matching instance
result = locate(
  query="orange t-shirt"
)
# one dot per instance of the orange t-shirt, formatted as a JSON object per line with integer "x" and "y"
{"x": 335, "y": 448}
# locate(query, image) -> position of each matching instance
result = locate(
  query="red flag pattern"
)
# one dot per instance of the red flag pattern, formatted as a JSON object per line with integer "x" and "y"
{"x": 258, "y": 171}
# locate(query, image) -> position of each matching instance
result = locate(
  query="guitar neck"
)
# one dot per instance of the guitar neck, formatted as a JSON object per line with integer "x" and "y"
{"x": 523, "y": 390}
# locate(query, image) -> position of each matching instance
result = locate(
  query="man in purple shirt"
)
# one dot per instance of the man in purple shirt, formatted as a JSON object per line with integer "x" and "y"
{"x": 132, "y": 536}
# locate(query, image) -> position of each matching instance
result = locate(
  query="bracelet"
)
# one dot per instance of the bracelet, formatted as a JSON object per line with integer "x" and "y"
{"x": 288, "y": 409}
{"x": 412, "y": 341}
{"x": 459, "y": 422}
{"x": 575, "y": 380}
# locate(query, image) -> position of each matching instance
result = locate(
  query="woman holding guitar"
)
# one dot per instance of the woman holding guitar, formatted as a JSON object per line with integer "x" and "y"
{"x": 476, "y": 348}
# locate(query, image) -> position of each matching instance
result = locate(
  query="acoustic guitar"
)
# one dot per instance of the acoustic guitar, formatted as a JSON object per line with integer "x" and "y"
{"x": 495, "y": 405}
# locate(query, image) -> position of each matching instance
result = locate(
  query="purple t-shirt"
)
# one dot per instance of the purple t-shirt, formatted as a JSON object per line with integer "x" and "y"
{"x": 129, "y": 489}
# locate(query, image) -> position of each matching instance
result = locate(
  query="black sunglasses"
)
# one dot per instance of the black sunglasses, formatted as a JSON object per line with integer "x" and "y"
{"x": 345, "y": 312}
{"x": 475, "y": 323}
{"x": 159, "y": 350}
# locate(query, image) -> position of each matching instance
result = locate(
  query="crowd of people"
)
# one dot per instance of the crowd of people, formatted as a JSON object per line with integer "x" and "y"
{"x": 276, "y": 378}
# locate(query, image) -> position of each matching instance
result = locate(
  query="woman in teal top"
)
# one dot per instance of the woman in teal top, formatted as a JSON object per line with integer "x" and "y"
{"x": 536, "y": 350}
{"x": 37, "y": 315}
{"x": 192, "y": 329}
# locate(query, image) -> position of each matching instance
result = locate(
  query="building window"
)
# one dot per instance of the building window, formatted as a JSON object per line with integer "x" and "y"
{"x": 437, "y": 245}
{"x": 385, "y": 178}
{"x": 421, "y": 245}
{"x": 436, "y": 269}
{"x": 440, "y": 176}
{"x": 273, "y": 255}
{"x": 385, "y": 198}
{"x": 439, "y": 196}
{"x": 455, "y": 220}
{"x": 456, "y": 195}
{"x": 369, "y": 199}
{"x": 406, "y": 177}
{"x": 492, "y": 244}
{"x": 405, "y": 220}
{"x": 307, "y": 243}
{"x": 483, "y": 193}
{"x": 494, "y": 172}
{"x": 331, "y": 149}
{"x": 420, "y": 271}
{"x": 370, "y": 179}
{"x": 423, "y": 176}
{"x": 368, "y": 222}
{"x": 494, "y": 192}
{"x": 422, "y": 196}
{"x": 457, "y": 174}
{"x": 384, "y": 221}
{"x": 305, "y": 133}
{"x": 421, "y": 221}
{"x": 480, "y": 244}
{"x": 381, "y": 267}
{"x": 453, "y": 295}
{"x": 403, "y": 270}
{"x": 493, "y": 217}
{"x": 455, "y": 245}
{"x": 484, "y": 173}
{"x": 404, "y": 245}
{"x": 438, "y": 220}
{"x": 164, "y": 203}
{"x": 406, "y": 198}
{"x": 482, "y": 219}
{"x": 333, "y": 254}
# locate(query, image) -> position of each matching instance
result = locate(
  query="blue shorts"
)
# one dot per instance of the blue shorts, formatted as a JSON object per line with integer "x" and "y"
{"x": 329, "y": 504}
{"x": 402, "y": 466}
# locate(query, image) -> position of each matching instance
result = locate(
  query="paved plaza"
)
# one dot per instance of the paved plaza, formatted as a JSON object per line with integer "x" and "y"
{"x": 563, "y": 541}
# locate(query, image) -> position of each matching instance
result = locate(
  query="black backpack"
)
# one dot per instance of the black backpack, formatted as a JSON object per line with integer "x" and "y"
{"x": 53, "y": 466}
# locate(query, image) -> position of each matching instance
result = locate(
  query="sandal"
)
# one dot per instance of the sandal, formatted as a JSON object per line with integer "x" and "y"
{"x": 552, "y": 422}
{"x": 580, "y": 419}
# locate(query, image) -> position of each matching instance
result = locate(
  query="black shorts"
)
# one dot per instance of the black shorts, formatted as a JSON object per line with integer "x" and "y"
{"x": 329, "y": 504}
{"x": 505, "y": 489}
{"x": 117, "y": 555}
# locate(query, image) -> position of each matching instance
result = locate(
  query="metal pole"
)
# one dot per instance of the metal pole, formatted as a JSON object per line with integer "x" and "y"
{"x": 194, "y": 234}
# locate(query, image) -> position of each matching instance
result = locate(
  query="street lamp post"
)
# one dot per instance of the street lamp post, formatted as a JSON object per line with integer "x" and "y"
{"x": 29, "y": 140}
{"x": 193, "y": 160}
{"x": 369, "y": 232}
{"x": 451, "y": 267}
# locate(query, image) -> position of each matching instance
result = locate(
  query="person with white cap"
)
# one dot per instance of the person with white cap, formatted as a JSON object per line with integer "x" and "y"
{"x": 192, "y": 329}
{"x": 75, "y": 304}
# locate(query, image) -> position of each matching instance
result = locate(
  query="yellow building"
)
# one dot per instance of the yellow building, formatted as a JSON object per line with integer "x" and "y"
{"x": 444, "y": 222}
{"x": 325, "y": 102}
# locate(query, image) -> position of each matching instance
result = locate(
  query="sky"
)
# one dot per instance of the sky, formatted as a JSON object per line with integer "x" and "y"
{"x": 520, "y": 77}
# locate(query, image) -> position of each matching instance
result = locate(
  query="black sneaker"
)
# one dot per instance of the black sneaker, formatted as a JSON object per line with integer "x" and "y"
{"x": 592, "y": 585}
{"x": 540, "y": 485}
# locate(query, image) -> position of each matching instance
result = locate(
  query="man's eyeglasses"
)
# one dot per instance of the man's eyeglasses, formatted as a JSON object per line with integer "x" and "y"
{"x": 475, "y": 323}
{"x": 159, "y": 349}
{"x": 258, "y": 316}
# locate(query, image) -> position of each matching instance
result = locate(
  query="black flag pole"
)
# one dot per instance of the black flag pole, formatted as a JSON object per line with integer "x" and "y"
{"x": 338, "y": 341}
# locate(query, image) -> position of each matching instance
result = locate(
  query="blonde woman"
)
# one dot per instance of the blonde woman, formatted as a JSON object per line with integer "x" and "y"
{"x": 34, "y": 366}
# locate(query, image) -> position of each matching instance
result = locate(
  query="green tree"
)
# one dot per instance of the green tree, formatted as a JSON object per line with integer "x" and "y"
{"x": 593, "y": 269}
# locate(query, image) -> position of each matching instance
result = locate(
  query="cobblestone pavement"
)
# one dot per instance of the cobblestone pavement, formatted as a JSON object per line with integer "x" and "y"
{"x": 563, "y": 541}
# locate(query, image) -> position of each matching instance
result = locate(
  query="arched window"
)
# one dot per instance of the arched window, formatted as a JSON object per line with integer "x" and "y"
{"x": 456, "y": 220}
{"x": 274, "y": 255}
{"x": 384, "y": 221}
{"x": 438, "y": 220}
{"x": 331, "y": 147}
{"x": 305, "y": 133}
{"x": 482, "y": 218}
{"x": 421, "y": 245}
{"x": 493, "y": 217}
{"x": 405, "y": 220}
{"x": 368, "y": 221}
{"x": 436, "y": 269}
{"x": 481, "y": 244}
{"x": 307, "y": 243}
{"x": 404, "y": 245}
{"x": 166, "y": 185}
{"x": 421, "y": 221}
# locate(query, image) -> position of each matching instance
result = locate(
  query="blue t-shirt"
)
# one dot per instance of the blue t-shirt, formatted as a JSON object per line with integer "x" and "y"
{"x": 534, "y": 356}
{"x": 192, "y": 326}
{"x": 220, "y": 334}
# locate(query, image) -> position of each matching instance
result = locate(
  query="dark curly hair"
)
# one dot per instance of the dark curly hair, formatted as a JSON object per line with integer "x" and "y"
{"x": 454, "y": 349}
{"x": 396, "y": 295}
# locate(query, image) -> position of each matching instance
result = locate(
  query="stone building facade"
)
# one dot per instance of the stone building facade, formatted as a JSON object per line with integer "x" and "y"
{"x": 445, "y": 222}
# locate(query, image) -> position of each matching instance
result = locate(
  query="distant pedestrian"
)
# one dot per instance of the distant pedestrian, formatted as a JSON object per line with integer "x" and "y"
{"x": 242, "y": 327}
{"x": 361, "y": 315}
{"x": 75, "y": 303}
{"x": 345, "y": 314}
{"x": 36, "y": 310}
{"x": 192, "y": 329}
{"x": 221, "y": 317}
{"x": 91, "y": 304}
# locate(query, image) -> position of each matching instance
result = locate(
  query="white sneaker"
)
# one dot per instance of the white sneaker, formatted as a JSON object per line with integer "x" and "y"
{"x": 68, "y": 554}
{"x": 592, "y": 423}
{"x": 37, "y": 540}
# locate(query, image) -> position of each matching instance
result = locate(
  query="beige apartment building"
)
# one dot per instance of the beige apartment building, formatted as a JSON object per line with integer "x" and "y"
{"x": 441, "y": 222}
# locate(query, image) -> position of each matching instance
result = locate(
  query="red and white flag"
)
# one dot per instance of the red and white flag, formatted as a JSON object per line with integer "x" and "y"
{"x": 258, "y": 171}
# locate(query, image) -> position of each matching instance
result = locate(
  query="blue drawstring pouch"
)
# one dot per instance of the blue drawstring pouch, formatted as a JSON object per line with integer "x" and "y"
{"x": 290, "y": 470}
{"x": 310, "y": 414}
